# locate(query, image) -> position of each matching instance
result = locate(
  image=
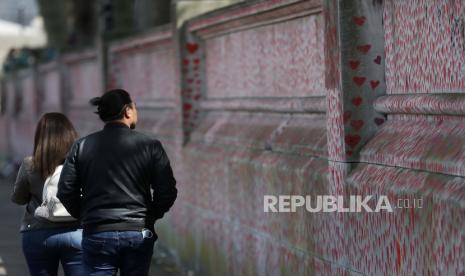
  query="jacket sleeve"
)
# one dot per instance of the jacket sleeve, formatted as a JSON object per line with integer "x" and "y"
{"x": 21, "y": 194}
{"x": 69, "y": 187}
{"x": 164, "y": 185}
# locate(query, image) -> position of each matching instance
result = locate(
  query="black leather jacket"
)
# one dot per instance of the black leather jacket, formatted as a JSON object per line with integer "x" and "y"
{"x": 108, "y": 176}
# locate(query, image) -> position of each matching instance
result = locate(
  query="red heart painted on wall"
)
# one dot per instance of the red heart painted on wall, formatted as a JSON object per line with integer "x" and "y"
{"x": 185, "y": 61}
{"x": 196, "y": 61}
{"x": 349, "y": 152}
{"x": 352, "y": 140}
{"x": 364, "y": 48}
{"x": 359, "y": 20}
{"x": 359, "y": 80}
{"x": 357, "y": 101}
{"x": 374, "y": 83}
{"x": 354, "y": 64}
{"x": 379, "y": 121}
{"x": 187, "y": 106}
{"x": 192, "y": 47}
{"x": 333, "y": 30}
{"x": 357, "y": 124}
{"x": 377, "y": 60}
{"x": 347, "y": 116}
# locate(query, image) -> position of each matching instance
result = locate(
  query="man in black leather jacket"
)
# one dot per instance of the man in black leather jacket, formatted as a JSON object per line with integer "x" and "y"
{"x": 107, "y": 183}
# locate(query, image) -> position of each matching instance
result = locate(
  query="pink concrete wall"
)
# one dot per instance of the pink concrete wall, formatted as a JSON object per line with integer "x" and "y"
{"x": 3, "y": 119}
{"x": 50, "y": 89}
{"x": 144, "y": 74}
{"x": 22, "y": 97}
{"x": 84, "y": 81}
{"x": 278, "y": 60}
{"x": 425, "y": 46}
{"x": 418, "y": 152}
{"x": 84, "y": 77}
{"x": 26, "y": 122}
{"x": 7, "y": 117}
{"x": 236, "y": 154}
{"x": 147, "y": 73}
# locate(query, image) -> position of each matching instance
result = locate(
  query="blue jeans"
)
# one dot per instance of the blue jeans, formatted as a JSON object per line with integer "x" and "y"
{"x": 44, "y": 249}
{"x": 106, "y": 252}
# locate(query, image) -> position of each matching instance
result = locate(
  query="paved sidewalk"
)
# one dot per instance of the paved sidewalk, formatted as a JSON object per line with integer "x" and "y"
{"x": 12, "y": 261}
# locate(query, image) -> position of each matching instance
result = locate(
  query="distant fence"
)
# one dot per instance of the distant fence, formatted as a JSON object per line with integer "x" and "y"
{"x": 288, "y": 97}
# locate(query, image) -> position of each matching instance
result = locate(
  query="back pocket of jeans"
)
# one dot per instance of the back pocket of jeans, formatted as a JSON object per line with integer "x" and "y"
{"x": 139, "y": 242}
{"x": 90, "y": 243}
{"x": 75, "y": 239}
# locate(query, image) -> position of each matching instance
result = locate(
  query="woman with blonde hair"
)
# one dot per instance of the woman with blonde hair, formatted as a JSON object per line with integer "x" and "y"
{"x": 48, "y": 238}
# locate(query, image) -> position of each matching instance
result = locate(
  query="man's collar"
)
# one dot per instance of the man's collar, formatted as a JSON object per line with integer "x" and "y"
{"x": 115, "y": 125}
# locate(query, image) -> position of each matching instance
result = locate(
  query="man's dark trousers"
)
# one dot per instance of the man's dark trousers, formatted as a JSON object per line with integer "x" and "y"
{"x": 104, "y": 252}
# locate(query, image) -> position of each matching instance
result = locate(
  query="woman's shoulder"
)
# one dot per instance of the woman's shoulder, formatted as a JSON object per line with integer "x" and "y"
{"x": 28, "y": 169}
{"x": 28, "y": 163}
{"x": 27, "y": 160}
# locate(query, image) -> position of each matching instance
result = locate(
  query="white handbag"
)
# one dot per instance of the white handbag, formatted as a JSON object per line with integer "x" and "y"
{"x": 51, "y": 208}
